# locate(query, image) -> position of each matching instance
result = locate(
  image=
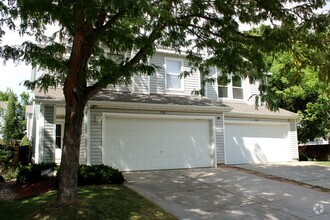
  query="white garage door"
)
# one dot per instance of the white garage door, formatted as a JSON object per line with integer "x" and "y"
{"x": 153, "y": 143}
{"x": 251, "y": 143}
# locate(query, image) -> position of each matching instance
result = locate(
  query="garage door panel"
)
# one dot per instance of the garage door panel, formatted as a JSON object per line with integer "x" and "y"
{"x": 251, "y": 143}
{"x": 146, "y": 144}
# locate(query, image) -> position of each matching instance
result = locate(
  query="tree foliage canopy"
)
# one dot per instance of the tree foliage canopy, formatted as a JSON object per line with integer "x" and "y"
{"x": 101, "y": 42}
{"x": 296, "y": 87}
{"x": 13, "y": 115}
{"x": 300, "y": 82}
{"x": 137, "y": 28}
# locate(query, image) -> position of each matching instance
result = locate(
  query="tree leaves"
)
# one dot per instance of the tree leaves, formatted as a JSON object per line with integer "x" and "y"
{"x": 297, "y": 87}
{"x": 13, "y": 113}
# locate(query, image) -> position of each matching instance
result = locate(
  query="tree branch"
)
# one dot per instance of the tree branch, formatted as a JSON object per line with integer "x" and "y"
{"x": 154, "y": 35}
{"x": 111, "y": 22}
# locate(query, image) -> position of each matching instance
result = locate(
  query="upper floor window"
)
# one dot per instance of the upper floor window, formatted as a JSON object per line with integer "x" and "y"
{"x": 231, "y": 88}
{"x": 237, "y": 87}
{"x": 173, "y": 69}
{"x": 223, "y": 88}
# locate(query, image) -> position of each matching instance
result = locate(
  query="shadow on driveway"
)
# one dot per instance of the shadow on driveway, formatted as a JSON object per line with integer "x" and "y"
{"x": 304, "y": 172}
{"x": 226, "y": 193}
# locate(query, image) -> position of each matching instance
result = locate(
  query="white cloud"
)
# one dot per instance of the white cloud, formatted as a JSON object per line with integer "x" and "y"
{"x": 11, "y": 74}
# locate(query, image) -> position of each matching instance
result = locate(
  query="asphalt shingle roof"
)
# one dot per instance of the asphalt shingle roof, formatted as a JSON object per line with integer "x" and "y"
{"x": 262, "y": 110}
{"x": 127, "y": 97}
{"x": 111, "y": 96}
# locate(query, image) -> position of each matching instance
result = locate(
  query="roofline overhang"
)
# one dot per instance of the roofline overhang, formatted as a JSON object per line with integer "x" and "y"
{"x": 160, "y": 107}
{"x": 50, "y": 101}
{"x": 147, "y": 106}
{"x": 261, "y": 115}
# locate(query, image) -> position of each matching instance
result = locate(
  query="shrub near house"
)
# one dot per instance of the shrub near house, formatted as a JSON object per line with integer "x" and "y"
{"x": 315, "y": 152}
{"x": 88, "y": 175}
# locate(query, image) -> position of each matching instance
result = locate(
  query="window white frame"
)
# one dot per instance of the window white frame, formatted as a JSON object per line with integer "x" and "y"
{"x": 230, "y": 89}
{"x": 61, "y": 123}
{"x": 237, "y": 88}
{"x": 173, "y": 74}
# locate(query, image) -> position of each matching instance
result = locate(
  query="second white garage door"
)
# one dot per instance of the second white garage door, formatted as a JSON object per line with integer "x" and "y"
{"x": 253, "y": 143}
{"x": 154, "y": 143}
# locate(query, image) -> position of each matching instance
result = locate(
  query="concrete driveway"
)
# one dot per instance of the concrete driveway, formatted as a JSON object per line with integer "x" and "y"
{"x": 228, "y": 193}
{"x": 305, "y": 172}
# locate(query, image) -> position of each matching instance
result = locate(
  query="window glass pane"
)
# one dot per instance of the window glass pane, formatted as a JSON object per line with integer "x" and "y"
{"x": 58, "y": 130}
{"x": 173, "y": 70}
{"x": 237, "y": 81}
{"x": 237, "y": 93}
{"x": 173, "y": 82}
{"x": 173, "y": 66}
{"x": 223, "y": 80}
{"x": 58, "y": 141}
{"x": 223, "y": 91}
{"x": 58, "y": 136}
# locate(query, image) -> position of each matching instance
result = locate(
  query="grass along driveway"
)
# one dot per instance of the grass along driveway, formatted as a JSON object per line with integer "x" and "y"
{"x": 324, "y": 163}
{"x": 95, "y": 202}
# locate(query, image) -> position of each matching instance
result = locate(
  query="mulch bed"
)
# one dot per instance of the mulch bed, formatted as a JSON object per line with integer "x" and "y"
{"x": 33, "y": 189}
{"x": 9, "y": 190}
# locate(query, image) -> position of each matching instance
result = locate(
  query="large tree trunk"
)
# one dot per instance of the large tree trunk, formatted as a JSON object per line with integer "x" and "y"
{"x": 68, "y": 174}
{"x": 76, "y": 97}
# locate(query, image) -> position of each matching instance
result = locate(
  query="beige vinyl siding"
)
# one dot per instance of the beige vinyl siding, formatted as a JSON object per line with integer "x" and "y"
{"x": 119, "y": 88}
{"x": 49, "y": 135}
{"x": 191, "y": 82}
{"x": 212, "y": 89}
{"x": 95, "y": 137}
{"x": 83, "y": 150}
{"x": 254, "y": 91}
{"x": 294, "y": 140}
{"x": 141, "y": 84}
{"x": 157, "y": 80}
{"x": 220, "y": 139}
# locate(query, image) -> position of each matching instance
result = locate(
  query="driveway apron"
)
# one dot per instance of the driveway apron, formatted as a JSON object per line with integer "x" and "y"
{"x": 227, "y": 193}
{"x": 305, "y": 172}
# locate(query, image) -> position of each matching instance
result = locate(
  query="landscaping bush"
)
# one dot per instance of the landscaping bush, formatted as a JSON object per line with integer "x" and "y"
{"x": 10, "y": 173}
{"x": 87, "y": 175}
{"x": 32, "y": 173}
{"x": 303, "y": 157}
{"x": 316, "y": 152}
{"x": 99, "y": 174}
{"x": 6, "y": 156}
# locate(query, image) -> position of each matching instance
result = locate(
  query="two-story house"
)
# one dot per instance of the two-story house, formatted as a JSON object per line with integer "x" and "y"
{"x": 156, "y": 123}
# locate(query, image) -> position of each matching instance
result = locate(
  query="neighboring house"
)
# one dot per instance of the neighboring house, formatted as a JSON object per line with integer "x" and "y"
{"x": 317, "y": 141}
{"x": 156, "y": 123}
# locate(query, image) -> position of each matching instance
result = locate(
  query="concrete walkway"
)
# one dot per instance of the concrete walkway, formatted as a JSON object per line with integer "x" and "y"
{"x": 227, "y": 193}
{"x": 305, "y": 172}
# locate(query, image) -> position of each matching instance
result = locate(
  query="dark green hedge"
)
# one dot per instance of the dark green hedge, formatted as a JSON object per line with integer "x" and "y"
{"x": 32, "y": 173}
{"x": 6, "y": 155}
{"x": 99, "y": 174}
{"x": 314, "y": 152}
{"x": 87, "y": 175}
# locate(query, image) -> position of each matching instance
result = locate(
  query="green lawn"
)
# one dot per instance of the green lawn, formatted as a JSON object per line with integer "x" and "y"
{"x": 324, "y": 163}
{"x": 95, "y": 202}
